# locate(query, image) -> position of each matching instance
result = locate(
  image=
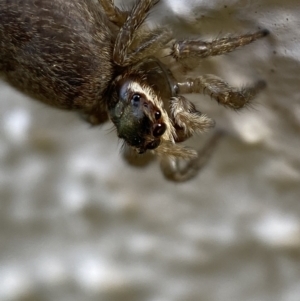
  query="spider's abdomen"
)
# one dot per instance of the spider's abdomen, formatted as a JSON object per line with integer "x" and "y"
{"x": 57, "y": 51}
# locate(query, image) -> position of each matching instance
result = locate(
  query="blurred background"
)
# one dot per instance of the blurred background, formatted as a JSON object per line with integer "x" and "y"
{"x": 78, "y": 223}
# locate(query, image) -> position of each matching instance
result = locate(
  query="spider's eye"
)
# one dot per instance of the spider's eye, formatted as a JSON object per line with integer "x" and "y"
{"x": 136, "y": 141}
{"x": 153, "y": 144}
{"x": 135, "y": 100}
{"x": 159, "y": 129}
{"x": 157, "y": 115}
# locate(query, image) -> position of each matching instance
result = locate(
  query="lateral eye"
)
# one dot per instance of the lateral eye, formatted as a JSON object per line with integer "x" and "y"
{"x": 135, "y": 100}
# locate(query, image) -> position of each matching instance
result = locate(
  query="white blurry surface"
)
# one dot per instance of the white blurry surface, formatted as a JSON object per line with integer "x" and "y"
{"x": 77, "y": 223}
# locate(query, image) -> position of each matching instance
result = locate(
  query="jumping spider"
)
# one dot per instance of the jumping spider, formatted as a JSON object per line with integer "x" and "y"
{"x": 147, "y": 105}
{"x": 99, "y": 60}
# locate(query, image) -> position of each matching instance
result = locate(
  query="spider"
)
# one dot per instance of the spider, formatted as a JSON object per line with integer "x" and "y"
{"x": 99, "y": 60}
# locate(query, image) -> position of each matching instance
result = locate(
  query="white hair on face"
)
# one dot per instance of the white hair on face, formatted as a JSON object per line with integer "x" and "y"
{"x": 170, "y": 133}
{"x": 167, "y": 147}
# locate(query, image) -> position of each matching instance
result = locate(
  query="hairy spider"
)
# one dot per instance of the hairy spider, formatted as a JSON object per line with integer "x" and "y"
{"x": 97, "y": 59}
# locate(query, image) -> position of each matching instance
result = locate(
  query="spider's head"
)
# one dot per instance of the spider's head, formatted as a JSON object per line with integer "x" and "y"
{"x": 138, "y": 114}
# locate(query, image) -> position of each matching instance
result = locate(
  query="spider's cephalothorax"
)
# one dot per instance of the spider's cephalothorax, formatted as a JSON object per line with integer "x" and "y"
{"x": 98, "y": 60}
{"x": 140, "y": 106}
{"x": 138, "y": 114}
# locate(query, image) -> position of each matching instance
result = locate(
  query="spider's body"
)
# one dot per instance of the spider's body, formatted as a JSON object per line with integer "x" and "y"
{"x": 96, "y": 59}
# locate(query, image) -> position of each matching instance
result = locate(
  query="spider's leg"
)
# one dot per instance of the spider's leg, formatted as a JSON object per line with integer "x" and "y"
{"x": 201, "y": 49}
{"x": 174, "y": 172}
{"x": 113, "y": 13}
{"x": 220, "y": 90}
{"x": 122, "y": 55}
{"x": 187, "y": 119}
{"x": 147, "y": 43}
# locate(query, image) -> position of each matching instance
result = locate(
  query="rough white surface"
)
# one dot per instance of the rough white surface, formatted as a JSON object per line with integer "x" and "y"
{"x": 77, "y": 223}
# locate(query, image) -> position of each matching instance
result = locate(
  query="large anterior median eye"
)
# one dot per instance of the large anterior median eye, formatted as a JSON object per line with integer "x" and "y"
{"x": 159, "y": 129}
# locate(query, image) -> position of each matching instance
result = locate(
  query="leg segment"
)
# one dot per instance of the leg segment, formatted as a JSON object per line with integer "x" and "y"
{"x": 172, "y": 170}
{"x": 220, "y": 90}
{"x": 126, "y": 35}
{"x": 114, "y": 14}
{"x": 148, "y": 43}
{"x": 187, "y": 119}
{"x": 201, "y": 49}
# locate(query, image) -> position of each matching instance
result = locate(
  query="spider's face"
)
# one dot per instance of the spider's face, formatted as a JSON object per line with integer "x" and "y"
{"x": 138, "y": 116}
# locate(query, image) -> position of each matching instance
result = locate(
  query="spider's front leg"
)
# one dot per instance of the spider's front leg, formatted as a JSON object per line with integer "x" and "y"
{"x": 221, "y": 91}
{"x": 173, "y": 170}
{"x": 113, "y": 13}
{"x": 201, "y": 49}
{"x": 211, "y": 84}
{"x": 149, "y": 43}
{"x": 187, "y": 119}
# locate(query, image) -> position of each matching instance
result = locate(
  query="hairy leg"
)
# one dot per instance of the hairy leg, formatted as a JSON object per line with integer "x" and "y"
{"x": 221, "y": 91}
{"x": 148, "y": 43}
{"x": 187, "y": 119}
{"x": 113, "y": 13}
{"x": 200, "y": 49}
{"x": 174, "y": 172}
{"x": 138, "y": 14}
